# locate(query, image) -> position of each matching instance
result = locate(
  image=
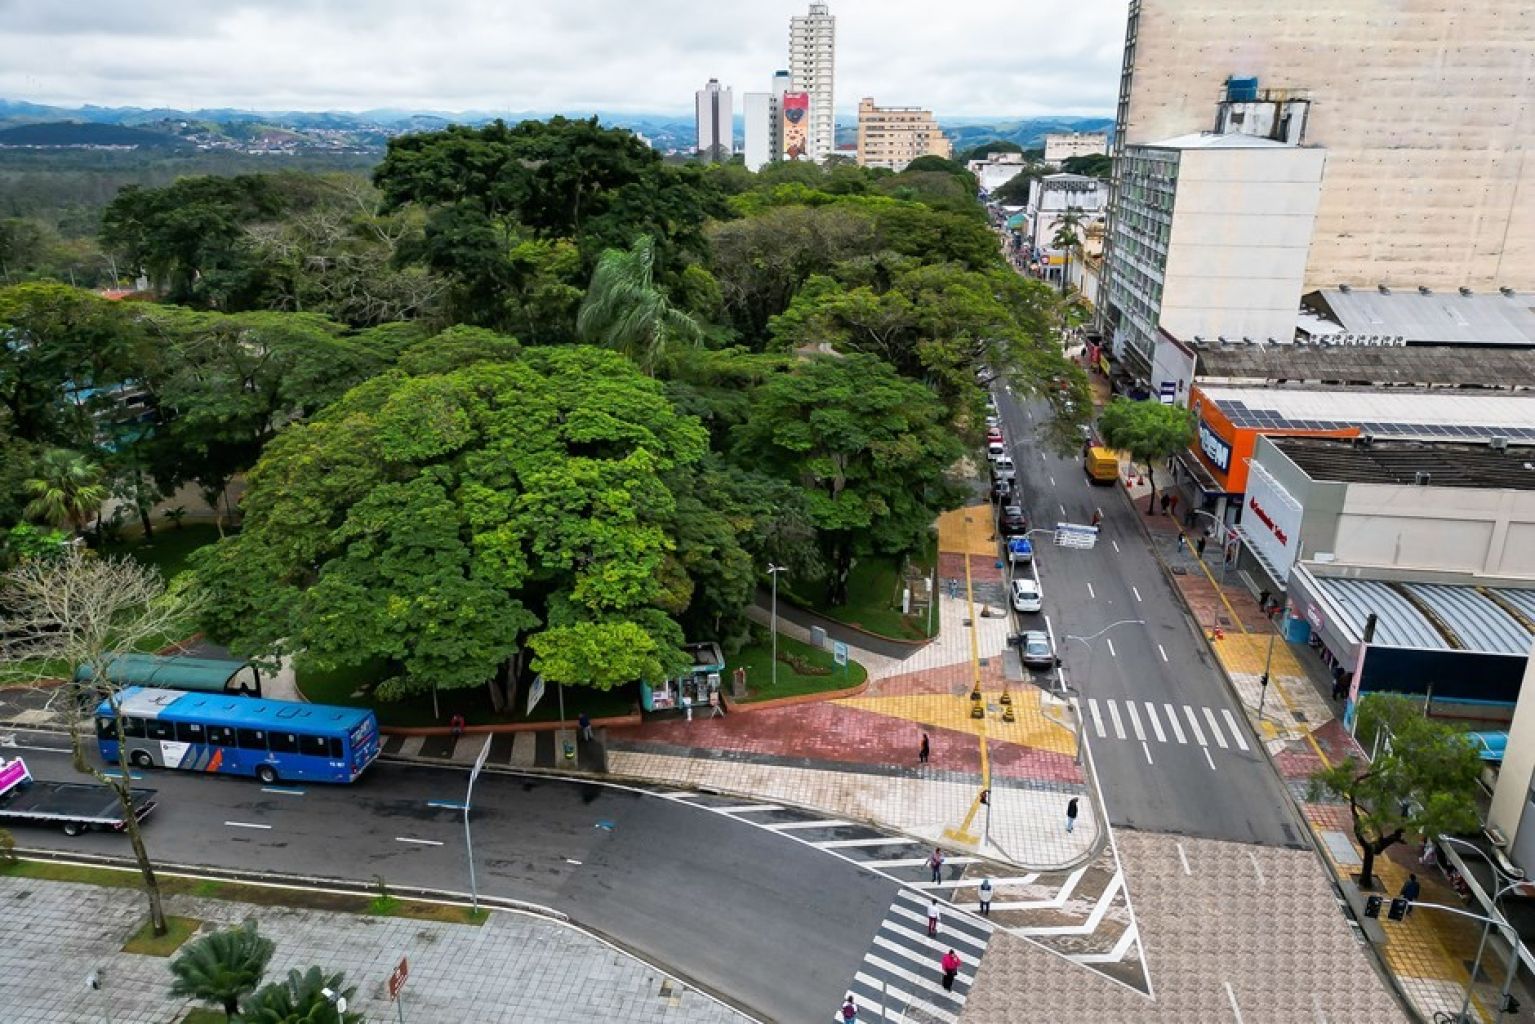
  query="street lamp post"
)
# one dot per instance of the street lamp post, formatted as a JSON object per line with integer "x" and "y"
{"x": 773, "y": 571}
{"x": 1087, "y": 641}
{"x": 1487, "y": 923}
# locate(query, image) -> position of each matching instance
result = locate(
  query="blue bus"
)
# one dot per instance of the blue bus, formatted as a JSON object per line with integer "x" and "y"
{"x": 274, "y": 740}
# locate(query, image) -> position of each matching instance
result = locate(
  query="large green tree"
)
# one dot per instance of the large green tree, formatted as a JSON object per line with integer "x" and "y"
{"x": 444, "y": 522}
{"x": 1149, "y": 431}
{"x": 222, "y": 967}
{"x": 1423, "y": 780}
{"x": 626, "y": 310}
{"x": 304, "y": 997}
{"x": 67, "y": 490}
{"x": 868, "y": 447}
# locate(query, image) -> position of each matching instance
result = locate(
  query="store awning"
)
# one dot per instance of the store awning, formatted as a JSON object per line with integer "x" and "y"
{"x": 1200, "y": 474}
{"x": 1279, "y": 579}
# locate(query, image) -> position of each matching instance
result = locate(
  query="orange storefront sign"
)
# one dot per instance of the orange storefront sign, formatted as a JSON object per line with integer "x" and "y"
{"x": 1225, "y": 448}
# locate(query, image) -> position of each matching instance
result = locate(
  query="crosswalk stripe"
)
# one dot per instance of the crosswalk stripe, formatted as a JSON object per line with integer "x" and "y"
{"x": 838, "y": 844}
{"x": 959, "y": 930}
{"x": 1135, "y": 721}
{"x": 1172, "y": 720}
{"x": 1231, "y": 723}
{"x": 947, "y": 938}
{"x": 907, "y": 862}
{"x": 1156, "y": 723}
{"x": 1119, "y": 727}
{"x": 908, "y": 999}
{"x": 1215, "y": 729}
{"x": 921, "y": 980}
{"x": 1092, "y": 705}
{"x": 780, "y": 826}
{"x": 970, "y": 883}
{"x": 1199, "y": 734}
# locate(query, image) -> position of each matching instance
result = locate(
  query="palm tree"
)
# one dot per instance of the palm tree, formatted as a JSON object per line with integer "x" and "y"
{"x": 222, "y": 967}
{"x": 626, "y": 311}
{"x": 1067, "y": 240}
{"x": 304, "y": 997}
{"x": 68, "y": 488}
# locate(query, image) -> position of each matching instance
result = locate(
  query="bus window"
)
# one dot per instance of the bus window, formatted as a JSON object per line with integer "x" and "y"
{"x": 159, "y": 730}
{"x": 221, "y": 736}
{"x": 105, "y": 729}
{"x": 283, "y": 742}
{"x": 133, "y": 728}
{"x": 252, "y": 739}
{"x": 336, "y": 749}
{"x": 314, "y": 746}
{"x": 190, "y": 732}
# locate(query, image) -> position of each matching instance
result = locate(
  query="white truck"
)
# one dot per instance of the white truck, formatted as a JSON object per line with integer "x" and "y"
{"x": 73, "y": 806}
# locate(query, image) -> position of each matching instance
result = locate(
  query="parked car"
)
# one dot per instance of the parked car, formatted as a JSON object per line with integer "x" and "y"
{"x": 1020, "y": 551}
{"x": 1026, "y": 595}
{"x": 1034, "y": 649}
{"x": 1002, "y": 490}
{"x": 993, "y": 422}
{"x": 995, "y": 450}
{"x": 994, "y": 436}
{"x": 1014, "y": 521}
{"x": 1002, "y": 468}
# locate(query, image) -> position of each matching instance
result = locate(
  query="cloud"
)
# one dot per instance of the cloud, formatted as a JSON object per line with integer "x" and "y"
{"x": 991, "y": 57}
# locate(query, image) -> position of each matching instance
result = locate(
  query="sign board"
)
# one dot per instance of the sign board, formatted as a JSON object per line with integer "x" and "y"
{"x": 1215, "y": 447}
{"x": 535, "y": 692}
{"x": 839, "y": 652}
{"x": 1167, "y": 392}
{"x": 1075, "y": 535}
{"x": 397, "y": 978}
{"x": 1271, "y": 519}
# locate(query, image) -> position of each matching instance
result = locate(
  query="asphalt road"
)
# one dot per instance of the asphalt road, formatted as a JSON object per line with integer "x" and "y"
{"x": 1155, "y": 655}
{"x": 770, "y": 924}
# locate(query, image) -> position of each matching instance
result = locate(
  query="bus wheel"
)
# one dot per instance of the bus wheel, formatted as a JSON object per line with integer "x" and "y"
{"x": 267, "y": 774}
{"x": 73, "y": 828}
{"x": 142, "y": 759}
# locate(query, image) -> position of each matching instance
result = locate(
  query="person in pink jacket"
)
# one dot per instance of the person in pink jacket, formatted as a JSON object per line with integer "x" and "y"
{"x": 950, "y": 964}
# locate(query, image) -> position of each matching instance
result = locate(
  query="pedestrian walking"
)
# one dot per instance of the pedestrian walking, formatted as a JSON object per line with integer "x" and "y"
{"x": 932, "y": 919}
{"x": 1071, "y": 815}
{"x": 1339, "y": 687}
{"x": 924, "y": 750}
{"x": 456, "y": 723}
{"x": 1164, "y": 503}
{"x": 1172, "y": 504}
{"x": 1097, "y": 516}
{"x": 1182, "y": 543}
{"x": 1410, "y": 891}
{"x": 986, "y": 897}
{"x": 849, "y": 1010}
{"x": 950, "y": 964}
{"x": 935, "y": 864}
{"x": 585, "y": 722}
{"x": 1199, "y": 545}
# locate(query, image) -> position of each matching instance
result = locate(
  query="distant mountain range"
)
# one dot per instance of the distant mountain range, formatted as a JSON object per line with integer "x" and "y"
{"x": 34, "y": 124}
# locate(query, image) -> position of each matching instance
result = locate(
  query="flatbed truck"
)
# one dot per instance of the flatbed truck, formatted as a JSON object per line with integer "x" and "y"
{"x": 75, "y": 807}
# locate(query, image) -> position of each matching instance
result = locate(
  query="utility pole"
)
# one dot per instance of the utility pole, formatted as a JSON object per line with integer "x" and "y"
{"x": 773, "y": 571}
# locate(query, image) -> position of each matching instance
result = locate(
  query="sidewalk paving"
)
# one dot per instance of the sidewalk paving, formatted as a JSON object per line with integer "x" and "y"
{"x": 515, "y": 967}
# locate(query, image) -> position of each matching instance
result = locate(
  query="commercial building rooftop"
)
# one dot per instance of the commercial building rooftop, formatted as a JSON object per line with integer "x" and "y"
{"x": 1401, "y": 462}
{"x": 1369, "y": 364}
{"x": 1216, "y": 140}
{"x": 1476, "y": 619}
{"x": 1385, "y": 413}
{"x": 1422, "y": 317}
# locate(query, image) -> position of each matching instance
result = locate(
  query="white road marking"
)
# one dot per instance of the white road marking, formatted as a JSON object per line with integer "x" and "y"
{"x": 1162, "y": 652}
{"x": 418, "y": 842}
{"x": 1236, "y": 733}
{"x": 1316, "y": 1004}
{"x": 1156, "y": 723}
{"x": 1207, "y": 758}
{"x": 1256, "y": 869}
{"x": 1134, "y": 591}
{"x": 1116, "y": 546}
{"x": 1215, "y": 729}
{"x": 1147, "y": 750}
{"x": 1185, "y": 859}
{"x": 1199, "y": 734}
{"x": 1119, "y": 727}
{"x": 747, "y": 808}
{"x": 1172, "y": 720}
{"x": 570, "y": 861}
{"x": 780, "y": 826}
{"x": 283, "y": 790}
{"x": 1092, "y": 705}
{"x": 1042, "y": 457}
{"x": 837, "y": 844}
{"x": 1230, "y": 994}
{"x": 1061, "y": 507}
{"x": 1110, "y": 642}
{"x": 1135, "y": 721}
{"x": 244, "y": 824}
{"x": 1090, "y": 593}
{"x": 1052, "y": 481}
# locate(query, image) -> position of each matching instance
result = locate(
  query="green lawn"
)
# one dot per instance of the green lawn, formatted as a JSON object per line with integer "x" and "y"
{"x": 873, "y": 599}
{"x": 756, "y": 658}
{"x": 170, "y": 549}
{"x": 177, "y": 930}
{"x": 341, "y": 686}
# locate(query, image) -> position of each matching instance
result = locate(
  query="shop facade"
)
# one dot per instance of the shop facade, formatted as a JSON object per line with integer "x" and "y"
{"x": 698, "y": 687}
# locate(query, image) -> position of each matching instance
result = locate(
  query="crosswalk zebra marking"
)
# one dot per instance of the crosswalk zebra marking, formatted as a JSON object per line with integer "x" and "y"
{"x": 1199, "y": 734}
{"x": 1119, "y": 727}
{"x": 906, "y": 862}
{"x": 1156, "y": 723}
{"x": 1092, "y": 705}
{"x": 1215, "y": 729}
{"x": 1231, "y": 723}
{"x": 1172, "y": 720}
{"x": 839, "y": 844}
{"x": 784, "y": 826}
{"x": 900, "y": 973}
{"x": 1135, "y": 721}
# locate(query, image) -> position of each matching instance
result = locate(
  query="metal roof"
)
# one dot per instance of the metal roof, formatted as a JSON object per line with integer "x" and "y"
{"x": 169, "y": 672}
{"x": 1458, "y": 617}
{"x": 1217, "y": 140}
{"x": 1420, "y": 415}
{"x": 1349, "y": 364}
{"x": 1400, "y": 462}
{"x": 1431, "y": 318}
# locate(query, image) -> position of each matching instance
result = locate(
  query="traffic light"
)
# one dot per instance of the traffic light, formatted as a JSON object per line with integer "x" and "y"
{"x": 1372, "y": 906}
{"x": 1399, "y": 908}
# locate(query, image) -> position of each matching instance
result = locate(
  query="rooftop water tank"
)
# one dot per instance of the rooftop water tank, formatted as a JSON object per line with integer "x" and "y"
{"x": 1241, "y": 90}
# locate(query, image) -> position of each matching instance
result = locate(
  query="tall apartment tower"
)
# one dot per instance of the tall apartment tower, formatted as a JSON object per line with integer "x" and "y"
{"x": 716, "y": 122}
{"x": 1423, "y": 109}
{"x": 812, "y": 65}
{"x": 764, "y": 131}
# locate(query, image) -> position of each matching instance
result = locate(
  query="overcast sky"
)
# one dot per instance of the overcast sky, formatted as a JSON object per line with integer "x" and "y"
{"x": 1012, "y": 57}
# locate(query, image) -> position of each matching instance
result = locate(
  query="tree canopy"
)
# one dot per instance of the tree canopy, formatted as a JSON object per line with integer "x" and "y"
{"x": 1149, "y": 431}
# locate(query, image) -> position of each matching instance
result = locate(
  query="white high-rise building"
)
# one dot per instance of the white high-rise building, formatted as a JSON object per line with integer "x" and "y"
{"x": 716, "y": 121}
{"x": 764, "y": 129}
{"x": 812, "y": 66}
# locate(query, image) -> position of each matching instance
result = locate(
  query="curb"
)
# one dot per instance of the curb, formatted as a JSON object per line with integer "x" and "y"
{"x": 746, "y": 707}
{"x": 634, "y": 718}
{"x": 915, "y": 645}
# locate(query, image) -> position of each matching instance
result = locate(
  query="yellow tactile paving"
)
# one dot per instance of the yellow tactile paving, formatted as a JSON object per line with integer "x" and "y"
{"x": 967, "y": 531}
{"x": 946, "y": 711}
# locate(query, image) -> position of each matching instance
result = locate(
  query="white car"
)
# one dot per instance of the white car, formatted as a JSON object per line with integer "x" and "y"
{"x": 1003, "y": 469}
{"x": 1026, "y": 595}
{"x": 996, "y": 450}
